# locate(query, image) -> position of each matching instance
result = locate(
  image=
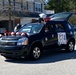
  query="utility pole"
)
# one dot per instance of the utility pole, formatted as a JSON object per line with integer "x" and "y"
{"x": 3, "y": 3}
{"x": 9, "y": 10}
{"x": 21, "y": 5}
{"x": 14, "y": 4}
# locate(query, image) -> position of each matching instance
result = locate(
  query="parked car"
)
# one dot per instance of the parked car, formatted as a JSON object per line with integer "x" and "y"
{"x": 33, "y": 38}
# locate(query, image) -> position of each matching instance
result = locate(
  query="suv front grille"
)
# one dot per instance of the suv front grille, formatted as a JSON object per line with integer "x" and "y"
{"x": 4, "y": 43}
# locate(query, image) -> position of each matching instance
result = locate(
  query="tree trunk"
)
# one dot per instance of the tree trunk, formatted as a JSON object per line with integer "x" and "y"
{"x": 9, "y": 10}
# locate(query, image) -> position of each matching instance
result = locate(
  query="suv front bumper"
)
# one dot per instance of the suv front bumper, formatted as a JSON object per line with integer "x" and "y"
{"x": 14, "y": 51}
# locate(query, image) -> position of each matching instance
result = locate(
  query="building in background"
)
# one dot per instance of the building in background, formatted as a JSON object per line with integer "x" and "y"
{"x": 18, "y": 10}
{"x": 36, "y": 6}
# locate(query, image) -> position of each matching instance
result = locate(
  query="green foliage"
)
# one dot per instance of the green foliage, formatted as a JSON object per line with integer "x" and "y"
{"x": 61, "y": 5}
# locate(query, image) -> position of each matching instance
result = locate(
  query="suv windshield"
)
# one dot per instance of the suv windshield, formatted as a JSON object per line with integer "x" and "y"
{"x": 31, "y": 28}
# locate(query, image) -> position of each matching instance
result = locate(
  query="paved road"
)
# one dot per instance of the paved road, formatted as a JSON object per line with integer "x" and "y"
{"x": 54, "y": 63}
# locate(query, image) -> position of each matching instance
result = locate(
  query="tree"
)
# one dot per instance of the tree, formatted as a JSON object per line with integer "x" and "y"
{"x": 60, "y": 5}
{"x": 7, "y": 8}
{"x": 74, "y": 1}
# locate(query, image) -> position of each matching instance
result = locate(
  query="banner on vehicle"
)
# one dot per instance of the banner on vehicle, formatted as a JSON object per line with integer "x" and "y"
{"x": 62, "y": 38}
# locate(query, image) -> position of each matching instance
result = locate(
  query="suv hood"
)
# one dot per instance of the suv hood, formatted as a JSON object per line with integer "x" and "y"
{"x": 64, "y": 16}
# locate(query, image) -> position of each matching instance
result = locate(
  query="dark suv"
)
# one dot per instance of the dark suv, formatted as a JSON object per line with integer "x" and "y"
{"x": 33, "y": 38}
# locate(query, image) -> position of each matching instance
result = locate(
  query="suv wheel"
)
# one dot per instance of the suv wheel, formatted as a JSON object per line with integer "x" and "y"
{"x": 70, "y": 46}
{"x": 35, "y": 52}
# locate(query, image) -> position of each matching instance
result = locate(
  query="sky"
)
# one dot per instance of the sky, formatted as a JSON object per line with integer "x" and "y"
{"x": 46, "y": 1}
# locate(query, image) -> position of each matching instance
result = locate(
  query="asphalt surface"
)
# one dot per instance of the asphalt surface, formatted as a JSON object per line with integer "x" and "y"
{"x": 51, "y": 63}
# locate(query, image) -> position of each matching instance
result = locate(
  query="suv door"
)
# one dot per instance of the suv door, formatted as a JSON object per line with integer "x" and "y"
{"x": 61, "y": 34}
{"x": 50, "y": 38}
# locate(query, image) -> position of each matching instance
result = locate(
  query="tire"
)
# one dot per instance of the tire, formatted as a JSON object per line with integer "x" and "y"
{"x": 35, "y": 53}
{"x": 70, "y": 46}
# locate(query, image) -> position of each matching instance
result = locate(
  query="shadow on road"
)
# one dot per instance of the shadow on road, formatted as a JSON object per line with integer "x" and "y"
{"x": 48, "y": 57}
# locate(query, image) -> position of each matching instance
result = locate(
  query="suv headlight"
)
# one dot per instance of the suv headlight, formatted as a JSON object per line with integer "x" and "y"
{"x": 22, "y": 41}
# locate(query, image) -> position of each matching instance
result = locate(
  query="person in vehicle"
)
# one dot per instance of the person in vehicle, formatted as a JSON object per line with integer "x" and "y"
{"x": 17, "y": 27}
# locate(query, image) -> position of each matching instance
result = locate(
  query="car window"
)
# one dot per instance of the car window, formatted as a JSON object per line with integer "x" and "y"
{"x": 31, "y": 28}
{"x": 69, "y": 26}
{"x": 49, "y": 28}
{"x": 60, "y": 27}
